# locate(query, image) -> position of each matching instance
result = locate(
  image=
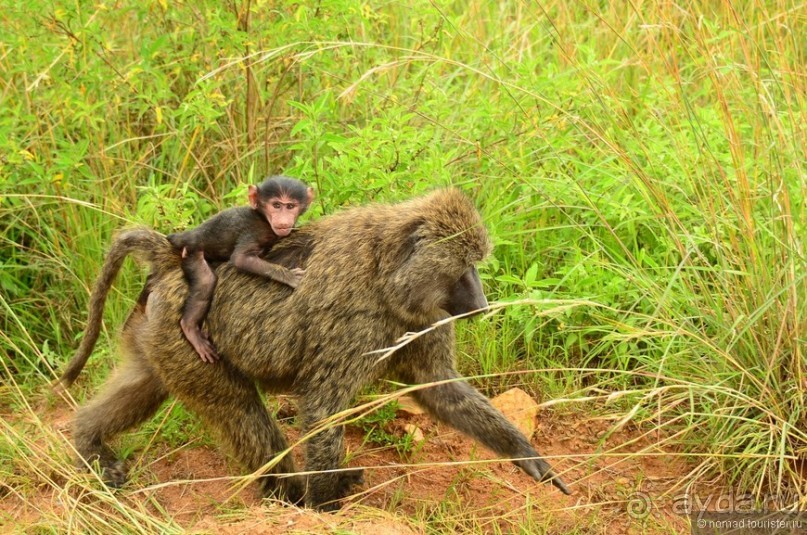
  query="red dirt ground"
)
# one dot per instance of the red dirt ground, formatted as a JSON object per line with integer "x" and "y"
{"x": 435, "y": 482}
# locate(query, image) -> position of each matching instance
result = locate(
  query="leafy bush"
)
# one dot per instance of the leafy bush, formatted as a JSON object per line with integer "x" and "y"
{"x": 640, "y": 167}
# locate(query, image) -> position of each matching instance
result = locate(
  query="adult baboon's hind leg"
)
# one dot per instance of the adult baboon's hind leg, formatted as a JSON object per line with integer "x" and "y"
{"x": 231, "y": 406}
{"x": 132, "y": 395}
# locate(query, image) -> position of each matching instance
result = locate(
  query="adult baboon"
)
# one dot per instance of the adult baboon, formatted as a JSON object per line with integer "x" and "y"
{"x": 372, "y": 274}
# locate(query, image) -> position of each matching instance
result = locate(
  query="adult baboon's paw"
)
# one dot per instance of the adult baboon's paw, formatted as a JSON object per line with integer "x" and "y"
{"x": 289, "y": 489}
{"x": 540, "y": 470}
{"x": 349, "y": 479}
{"x": 115, "y": 474}
{"x": 294, "y": 491}
{"x": 325, "y": 490}
{"x": 328, "y": 507}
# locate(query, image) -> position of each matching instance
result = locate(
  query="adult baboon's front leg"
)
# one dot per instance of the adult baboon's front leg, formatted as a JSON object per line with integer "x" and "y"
{"x": 461, "y": 406}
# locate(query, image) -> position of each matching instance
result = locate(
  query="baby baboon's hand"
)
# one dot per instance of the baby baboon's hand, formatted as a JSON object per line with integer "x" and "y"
{"x": 296, "y": 277}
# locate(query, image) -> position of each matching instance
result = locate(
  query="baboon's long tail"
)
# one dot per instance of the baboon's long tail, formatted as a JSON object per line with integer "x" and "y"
{"x": 147, "y": 245}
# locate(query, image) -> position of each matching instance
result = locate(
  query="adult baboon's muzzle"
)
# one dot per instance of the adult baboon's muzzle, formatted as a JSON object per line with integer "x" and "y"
{"x": 466, "y": 295}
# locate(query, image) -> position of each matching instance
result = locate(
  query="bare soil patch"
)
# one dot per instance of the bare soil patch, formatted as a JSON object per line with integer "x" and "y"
{"x": 447, "y": 481}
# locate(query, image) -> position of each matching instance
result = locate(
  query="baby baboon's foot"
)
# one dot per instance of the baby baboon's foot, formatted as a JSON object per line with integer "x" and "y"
{"x": 200, "y": 341}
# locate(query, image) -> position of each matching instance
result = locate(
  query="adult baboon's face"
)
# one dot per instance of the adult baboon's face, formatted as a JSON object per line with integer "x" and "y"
{"x": 436, "y": 273}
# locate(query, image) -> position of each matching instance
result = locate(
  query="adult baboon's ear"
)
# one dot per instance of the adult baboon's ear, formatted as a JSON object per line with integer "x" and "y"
{"x": 411, "y": 234}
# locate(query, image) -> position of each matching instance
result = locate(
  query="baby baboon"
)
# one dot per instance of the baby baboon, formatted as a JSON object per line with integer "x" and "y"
{"x": 372, "y": 274}
{"x": 239, "y": 235}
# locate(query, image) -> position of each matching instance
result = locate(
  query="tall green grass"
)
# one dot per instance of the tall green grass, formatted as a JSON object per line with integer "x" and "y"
{"x": 639, "y": 165}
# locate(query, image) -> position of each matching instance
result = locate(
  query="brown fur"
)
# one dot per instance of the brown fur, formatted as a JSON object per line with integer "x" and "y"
{"x": 372, "y": 274}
